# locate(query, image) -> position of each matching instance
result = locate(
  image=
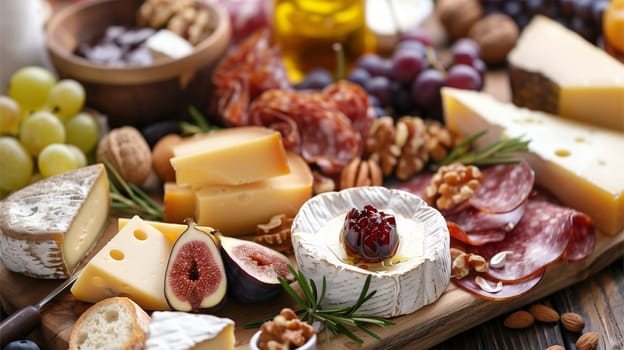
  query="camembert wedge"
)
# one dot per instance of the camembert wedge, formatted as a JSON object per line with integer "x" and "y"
{"x": 555, "y": 70}
{"x": 47, "y": 228}
{"x": 171, "y": 330}
{"x": 579, "y": 163}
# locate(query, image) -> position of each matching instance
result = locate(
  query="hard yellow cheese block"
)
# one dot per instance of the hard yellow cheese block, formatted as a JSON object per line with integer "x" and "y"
{"x": 47, "y": 228}
{"x": 555, "y": 70}
{"x": 171, "y": 231}
{"x": 581, "y": 164}
{"x": 230, "y": 156}
{"x": 236, "y": 210}
{"x": 179, "y": 202}
{"x": 132, "y": 264}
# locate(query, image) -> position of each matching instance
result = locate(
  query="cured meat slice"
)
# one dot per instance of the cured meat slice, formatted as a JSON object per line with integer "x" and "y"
{"x": 244, "y": 73}
{"x": 416, "y": 185}
{"x": 508, "y": 291}
{"x": 474, "y": 220}
{"x": 504, "y": 187}
{"x": 310, "y": 125}
{"x": 475, "y": 238}
{"x": 541, "y": 237}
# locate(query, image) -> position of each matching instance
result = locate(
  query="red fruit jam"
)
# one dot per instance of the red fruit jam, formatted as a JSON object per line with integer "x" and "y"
{"x": 370, "y": 234}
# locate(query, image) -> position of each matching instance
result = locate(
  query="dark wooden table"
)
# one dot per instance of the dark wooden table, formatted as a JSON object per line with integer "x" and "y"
{"x": 599, "y": 299}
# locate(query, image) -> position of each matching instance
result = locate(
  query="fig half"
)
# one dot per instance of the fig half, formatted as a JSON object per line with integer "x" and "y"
{"x": 195, "y": 279}
{"x": 252, "y": 270}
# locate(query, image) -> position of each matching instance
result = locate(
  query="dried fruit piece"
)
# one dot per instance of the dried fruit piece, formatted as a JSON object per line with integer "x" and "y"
{"x": 370, "y": 234}
{"x": 252, "y": 270}
{"x": 519, "y": 319}
{"x": 587, "y": 341}
{"x": 544, "y": 313}
{"x": 572, "y": 322}
{"x": 195, "y": 277}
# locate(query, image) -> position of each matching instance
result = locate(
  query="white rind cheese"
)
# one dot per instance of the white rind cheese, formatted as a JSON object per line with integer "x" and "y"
{"x": 172, "y": 330}
{"x": 48, "y": 227}
{"x": 423, "y": 269}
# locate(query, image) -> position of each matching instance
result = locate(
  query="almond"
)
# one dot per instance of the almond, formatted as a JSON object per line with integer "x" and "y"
{"x": 555, "y": 347}
{"x": 587, "y": 341}
{"x": 519, "y": 319}
{"x": 572, "y": 322}
{"x": 544, "y": 313}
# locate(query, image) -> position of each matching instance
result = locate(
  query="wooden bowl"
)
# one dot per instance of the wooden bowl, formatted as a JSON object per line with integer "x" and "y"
{"x": 131, "y": 95}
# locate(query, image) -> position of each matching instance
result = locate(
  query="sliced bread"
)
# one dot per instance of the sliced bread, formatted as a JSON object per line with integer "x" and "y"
{"x": 116, "y": 323}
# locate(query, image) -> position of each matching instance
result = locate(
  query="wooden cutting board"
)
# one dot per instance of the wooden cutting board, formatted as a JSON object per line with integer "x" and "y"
{"x": 453, "y": 313}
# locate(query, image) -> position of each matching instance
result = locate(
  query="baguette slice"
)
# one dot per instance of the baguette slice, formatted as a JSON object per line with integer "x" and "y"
{"x": 116, "y": 323}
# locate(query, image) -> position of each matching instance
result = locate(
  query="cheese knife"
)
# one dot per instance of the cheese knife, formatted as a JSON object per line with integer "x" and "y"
{"x": 18, "y": 324}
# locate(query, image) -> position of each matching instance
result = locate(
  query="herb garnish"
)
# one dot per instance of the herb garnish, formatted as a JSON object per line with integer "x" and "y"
{"x": 128, "y": 199}
{"x": 336, "y": 320}
{"x": 498, "y": 152}
{"x": 201, "y": 125}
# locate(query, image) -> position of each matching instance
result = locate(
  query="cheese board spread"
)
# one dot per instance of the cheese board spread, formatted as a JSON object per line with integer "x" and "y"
{"x": 362, "y": 208}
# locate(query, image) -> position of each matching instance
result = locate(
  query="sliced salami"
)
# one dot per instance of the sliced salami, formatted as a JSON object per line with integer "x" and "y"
{"x": 507, "y": 292}
{"x": 416, "y": 185}
{"x": 541, "y": 237}
{"x": 473, "y": 220}
{"x": 504, "y": 187}
{"x": 475, "y": 238}
{"x": 310, "y": 125}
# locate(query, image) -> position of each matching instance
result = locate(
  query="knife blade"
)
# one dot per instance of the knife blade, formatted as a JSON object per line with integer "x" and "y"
{"x": 22, "y": 321}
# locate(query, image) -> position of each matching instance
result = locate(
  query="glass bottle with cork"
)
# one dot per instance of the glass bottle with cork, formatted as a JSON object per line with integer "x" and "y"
{"x": 306, "y": 31}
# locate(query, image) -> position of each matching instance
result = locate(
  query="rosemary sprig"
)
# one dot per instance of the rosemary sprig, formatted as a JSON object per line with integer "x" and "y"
{"x": 128, "y": 199}
{"x": 336, "y": 320}
{"x": 200, "y": 126}
{"x": 498, "y": 152}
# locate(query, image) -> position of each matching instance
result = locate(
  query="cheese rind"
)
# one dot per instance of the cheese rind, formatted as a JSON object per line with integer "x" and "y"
{"x": 420, "y": 273}
{"x": 230, "y": 156}
{"x": 237, "y": 210}
{"x": 171, "y": 330}
{"x": 555, "y": 70}
{"x": 131, "y": 264}
{"x": 47, "y": 228}
{"x": 577, "y": 162}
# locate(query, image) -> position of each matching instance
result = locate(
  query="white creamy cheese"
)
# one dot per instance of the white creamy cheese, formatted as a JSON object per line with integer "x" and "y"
{"x": 421, "y": 269}
{"x": 172, "y": 330}
{"x": 47, "y": 228}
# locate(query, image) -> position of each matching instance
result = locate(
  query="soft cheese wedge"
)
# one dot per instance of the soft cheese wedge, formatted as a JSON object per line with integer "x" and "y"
{"x": 555, "y": 70}
{"x": 230, "y": 156}
{"x": 416, "y": 276}
{"x": 579, "y": 163}
{"x": 237, "y": 210}
{"x": 171, "y": 330}
{"x": 47, "y": 228}
{"x": 131, "y": 264}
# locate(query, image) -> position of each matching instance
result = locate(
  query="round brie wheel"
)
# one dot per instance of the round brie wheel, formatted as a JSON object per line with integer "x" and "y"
{"x": 417, "y": 275}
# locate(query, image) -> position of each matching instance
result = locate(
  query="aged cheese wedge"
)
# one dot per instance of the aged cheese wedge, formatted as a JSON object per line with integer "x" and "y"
{"x": 236, "y": 210}
{"x": 230, "y": 156}
{"x": 171, "y": 330}
{"x": 179, "y": 202}
{"x": 417, "y": 275}
{"x": 131, "y": 264}
{"x": 47, "y": 228}
{"x": 579, "y": 163}
{"x": 171, "y": 231}
{"x": 555, "y": 70}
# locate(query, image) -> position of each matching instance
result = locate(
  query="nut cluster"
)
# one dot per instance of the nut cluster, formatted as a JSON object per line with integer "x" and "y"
{"x": 453, "y": 184}
{"x": 126, "y": 150}
{"x": 404, "y": 147}
{"x": 276, "y": 233}
{"x": 462, "y": 263}
{"x": 187, "y": 18}
{"x": 285, "y": 331}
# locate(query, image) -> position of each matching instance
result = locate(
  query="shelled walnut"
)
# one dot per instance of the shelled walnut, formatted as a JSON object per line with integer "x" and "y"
{"x": 380, "y": 145}
{"x": 285, "y": 331}
{"x": 187, "y": 18}
{"x": 411, "y": 137}
{"x": 440, "y": 140}
{"x": 276, "y": 233}
{"x": 453, "y": 184}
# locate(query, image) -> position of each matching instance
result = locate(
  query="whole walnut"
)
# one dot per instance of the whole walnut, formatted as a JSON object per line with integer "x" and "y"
{"x": 126, "y": 150}
{"x": 497, "y": 35}
{"x": 458, "y": 16}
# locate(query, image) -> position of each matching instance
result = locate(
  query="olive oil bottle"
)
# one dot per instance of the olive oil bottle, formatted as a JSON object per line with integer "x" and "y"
{"x": 306, "y": 31}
